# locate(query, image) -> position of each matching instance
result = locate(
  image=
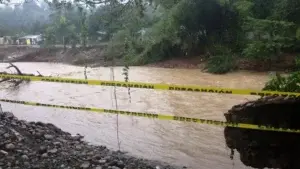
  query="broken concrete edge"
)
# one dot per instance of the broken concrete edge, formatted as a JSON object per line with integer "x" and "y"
{"x": 263, "y": 101}
{"x": 260, "y": 149}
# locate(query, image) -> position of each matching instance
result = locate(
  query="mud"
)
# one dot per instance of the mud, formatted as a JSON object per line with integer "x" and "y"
{"x": 94, "y": 56}
{"x": 284, "y": 62}
{"x": 90, "y": 56}
{"x": 183, "y": 63}
{"x": 270, "y": 149}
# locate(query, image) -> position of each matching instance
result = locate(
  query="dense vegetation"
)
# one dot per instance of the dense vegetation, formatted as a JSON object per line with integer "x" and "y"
{"x": 153, "y": 30}
{"x": 285, "y": 83}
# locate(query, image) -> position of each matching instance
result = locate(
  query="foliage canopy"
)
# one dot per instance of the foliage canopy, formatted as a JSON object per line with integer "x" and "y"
{"x": 143, "y": 31}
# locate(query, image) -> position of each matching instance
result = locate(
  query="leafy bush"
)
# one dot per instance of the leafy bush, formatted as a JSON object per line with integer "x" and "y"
{"x": 221, "y": 61}
{"x": 297, "y": 62}
{"x": 220, "y": 64}
{"x": 258, "y": 50}
{"x": 117, "y": 44}
{"x": 290, "y": 83}
{"x": 298, "y": 34}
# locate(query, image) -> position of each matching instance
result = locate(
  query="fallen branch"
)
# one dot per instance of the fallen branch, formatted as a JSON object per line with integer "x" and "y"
{"x": 85, "y": 75}
{"x": 4, "y": 80}
{"x": 39, "y": 73}
{"x": 14, "y": 66}
{"x": 15, "y": 82}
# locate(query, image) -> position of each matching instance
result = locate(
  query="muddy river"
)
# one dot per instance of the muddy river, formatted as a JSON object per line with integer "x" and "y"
{"x": 196, "y": 146}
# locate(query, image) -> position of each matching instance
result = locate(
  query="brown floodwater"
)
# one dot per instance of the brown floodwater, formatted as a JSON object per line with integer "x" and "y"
{"x": 196, "y": 146}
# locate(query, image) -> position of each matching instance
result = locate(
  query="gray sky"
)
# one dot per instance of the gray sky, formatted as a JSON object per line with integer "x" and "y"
{"x": 18, "y": 2}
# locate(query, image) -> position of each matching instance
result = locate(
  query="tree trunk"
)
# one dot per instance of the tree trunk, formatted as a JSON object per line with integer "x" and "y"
{"x": 64, "y": 42}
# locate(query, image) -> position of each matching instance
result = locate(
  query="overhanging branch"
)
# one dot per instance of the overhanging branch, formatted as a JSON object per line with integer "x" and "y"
{"x": 15, "y": 82}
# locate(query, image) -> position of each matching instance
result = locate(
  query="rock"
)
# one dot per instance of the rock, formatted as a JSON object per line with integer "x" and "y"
{"x": 78, "y": 147}
{"x": 107, "y": 157}
{"x": 1, "y": 132}
{"x": 45, "y": 146}
{"x": 115, "y": 167}
{"x": 38, "y": 134}
{"x": 57, "y": 143}
{"x": 97, "y": 157}
{"x": 10, "y": 158}
{"x": 85, "y": 165}
{"x": 77, "y": 137}
{"x": 44, "y": 155}
{"x": 113, "y": 163}
{"x": 26, "y": 163}
{"x": 120, "y": 164}
{"x": 102, "y": 161}
{"x": 25, "y": 157}
{"x": 48, "y": 136}
{"x": 42, "y": 149}
{"x": 62, "y": 140}
{"x": 9, "y": 115}
{"x": 91, "y": 153}
{"x": 10, "y": 146}
{"x": 53, "y": 151}
{"x": 3, "y": 152}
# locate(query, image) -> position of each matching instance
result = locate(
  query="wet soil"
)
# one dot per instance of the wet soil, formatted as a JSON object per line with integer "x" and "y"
{"x": 90, "y": 56}
{"x": 95, "y": 56}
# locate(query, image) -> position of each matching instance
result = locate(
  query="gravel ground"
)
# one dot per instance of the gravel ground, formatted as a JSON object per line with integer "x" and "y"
{"x": 30, "y": 145}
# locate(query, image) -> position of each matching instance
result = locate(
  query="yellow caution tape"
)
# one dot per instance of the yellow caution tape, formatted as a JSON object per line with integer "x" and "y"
{"x": 192, "y": 88}
{"x": 160, "y": 116}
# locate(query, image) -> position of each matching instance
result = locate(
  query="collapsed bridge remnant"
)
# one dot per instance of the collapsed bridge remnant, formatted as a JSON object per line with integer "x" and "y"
{"x": 270, "y": 149}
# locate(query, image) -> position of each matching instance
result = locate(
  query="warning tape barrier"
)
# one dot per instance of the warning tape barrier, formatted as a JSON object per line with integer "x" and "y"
{"x": 155, "y": 86}
{"x": 160, "y": 116}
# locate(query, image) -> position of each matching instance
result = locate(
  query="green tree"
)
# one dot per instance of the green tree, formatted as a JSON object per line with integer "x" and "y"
{"x": 49, "y": 36}
{"x": 83, "y": 27}
{"x": 63, "y": 27}
{"x": 143, "y": 31}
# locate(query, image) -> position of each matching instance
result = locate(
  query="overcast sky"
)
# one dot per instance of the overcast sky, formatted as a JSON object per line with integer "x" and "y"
{"x": 12, "y": 3}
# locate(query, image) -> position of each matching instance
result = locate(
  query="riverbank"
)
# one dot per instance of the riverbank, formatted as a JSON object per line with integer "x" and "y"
{"x": 96, "y": 57}
{"x": 90, "y": 56}
{"x": 285, "y": 63}
{"x": 44, "y": 146}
